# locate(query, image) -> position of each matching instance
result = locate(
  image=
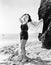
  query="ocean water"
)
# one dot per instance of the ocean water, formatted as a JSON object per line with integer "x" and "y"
{"x": 10, "y": 39}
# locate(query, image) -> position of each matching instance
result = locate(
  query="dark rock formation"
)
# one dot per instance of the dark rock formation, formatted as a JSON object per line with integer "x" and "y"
{"x": 44, "y": 12}
{"x": 44, "y": 5}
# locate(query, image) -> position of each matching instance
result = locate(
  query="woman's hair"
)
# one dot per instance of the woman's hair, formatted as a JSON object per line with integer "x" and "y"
{"x": 29, "y": 20}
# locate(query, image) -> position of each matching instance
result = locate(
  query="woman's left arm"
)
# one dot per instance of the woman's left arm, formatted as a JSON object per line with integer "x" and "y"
{"x": 36, "y": 23}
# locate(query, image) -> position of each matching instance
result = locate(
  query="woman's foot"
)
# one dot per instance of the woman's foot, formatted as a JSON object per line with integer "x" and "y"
{"x": 19, "y": 58}
{"x": 26, "y": 59}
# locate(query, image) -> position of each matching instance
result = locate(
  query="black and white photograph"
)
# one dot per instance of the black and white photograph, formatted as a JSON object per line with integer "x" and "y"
{"x": 25, "y": 32}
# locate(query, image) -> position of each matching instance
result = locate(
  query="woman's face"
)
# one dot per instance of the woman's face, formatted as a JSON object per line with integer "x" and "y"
{"x": 25, "y": 18}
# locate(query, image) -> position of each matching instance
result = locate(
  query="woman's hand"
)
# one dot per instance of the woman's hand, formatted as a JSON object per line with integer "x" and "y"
{"x": 41, "y": 20}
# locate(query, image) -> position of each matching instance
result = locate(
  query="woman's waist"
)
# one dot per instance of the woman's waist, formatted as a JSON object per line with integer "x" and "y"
{"x": 24, "y": 32}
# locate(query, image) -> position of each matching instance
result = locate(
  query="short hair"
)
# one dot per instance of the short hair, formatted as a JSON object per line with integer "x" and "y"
{"x": 29, "y": 20}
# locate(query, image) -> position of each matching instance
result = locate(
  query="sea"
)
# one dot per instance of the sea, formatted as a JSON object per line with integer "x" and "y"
{"x": 10, "y": 39}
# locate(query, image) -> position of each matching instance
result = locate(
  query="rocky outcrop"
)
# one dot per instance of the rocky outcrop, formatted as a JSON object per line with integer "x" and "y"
{"x": 45, "y": 13}
{"x": 44, "y": 5}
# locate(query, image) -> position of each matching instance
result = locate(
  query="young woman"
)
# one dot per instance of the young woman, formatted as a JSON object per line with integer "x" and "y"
{"x": 24, "y": 34}
{"x": 25, "y": 19}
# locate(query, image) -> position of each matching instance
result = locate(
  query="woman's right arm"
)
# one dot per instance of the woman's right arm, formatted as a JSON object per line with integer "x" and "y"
{"x": 20, "y": 20}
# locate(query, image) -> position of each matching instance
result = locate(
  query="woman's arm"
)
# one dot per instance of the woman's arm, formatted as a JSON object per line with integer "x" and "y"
{"x": 21, "y": 21}
{"x": 37, "y": 23}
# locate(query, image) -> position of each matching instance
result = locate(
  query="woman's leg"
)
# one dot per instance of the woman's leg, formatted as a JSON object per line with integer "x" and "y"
{"x": 23, "y": 53}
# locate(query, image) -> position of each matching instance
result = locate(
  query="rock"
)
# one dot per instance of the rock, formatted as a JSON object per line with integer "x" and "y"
{"x": 46, "y": 39}
{"x": 44, "y": 5}
{"x": 45, "y": 13}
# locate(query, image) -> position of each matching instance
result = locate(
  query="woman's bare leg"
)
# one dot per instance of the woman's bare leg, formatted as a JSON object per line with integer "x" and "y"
{"x": 23, "y": 52}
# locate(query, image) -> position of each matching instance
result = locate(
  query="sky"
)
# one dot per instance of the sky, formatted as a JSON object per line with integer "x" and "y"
{"x": 12, "y": 10}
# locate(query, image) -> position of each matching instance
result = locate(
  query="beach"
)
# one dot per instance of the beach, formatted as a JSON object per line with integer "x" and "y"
{"x": 33, "y": 50}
